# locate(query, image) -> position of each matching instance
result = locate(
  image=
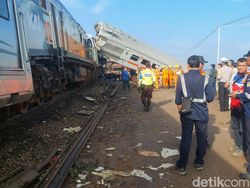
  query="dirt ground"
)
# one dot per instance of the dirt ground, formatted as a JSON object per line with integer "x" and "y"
{"x": 125, "y": 125}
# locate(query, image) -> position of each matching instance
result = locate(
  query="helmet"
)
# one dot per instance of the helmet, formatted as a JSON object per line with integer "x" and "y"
{"x": 176, "y": 66}
{"x": 163, "y": 67}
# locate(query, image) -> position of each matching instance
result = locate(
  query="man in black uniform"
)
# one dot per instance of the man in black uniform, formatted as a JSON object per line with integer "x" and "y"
{"x": 199, "y": 89}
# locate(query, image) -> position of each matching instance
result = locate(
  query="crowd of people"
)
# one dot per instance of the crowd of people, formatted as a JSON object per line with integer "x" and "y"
{"x": 194, "y": 89}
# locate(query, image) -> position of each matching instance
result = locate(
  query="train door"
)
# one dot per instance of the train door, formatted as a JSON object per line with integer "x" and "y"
{"x": 53, "y": 10}
{"x": 61, "y": 32}
{"x": 10, "y": 58}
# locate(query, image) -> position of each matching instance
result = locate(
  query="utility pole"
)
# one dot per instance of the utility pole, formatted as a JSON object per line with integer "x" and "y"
{"x": 218, "y": 45}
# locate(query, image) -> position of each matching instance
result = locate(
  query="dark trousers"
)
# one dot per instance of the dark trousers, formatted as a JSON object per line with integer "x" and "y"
{"x": 223, "y": 97}
{"x": 146, "y": 95}
{"x": 246, "y": 141}
{"x": 126, "y": 84}
{"x": 213, "y": 82}
{"x": 236, "y": 125}
{"x": 201, "y": 134}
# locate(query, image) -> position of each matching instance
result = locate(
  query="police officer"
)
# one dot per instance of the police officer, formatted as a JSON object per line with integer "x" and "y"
{"x": 197, "y": 87}
{"x": 245, "y": 98}
{"x": 146, "y": 82}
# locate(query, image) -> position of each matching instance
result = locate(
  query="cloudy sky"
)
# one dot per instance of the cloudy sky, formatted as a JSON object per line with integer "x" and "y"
{"x": 172, "y": 26}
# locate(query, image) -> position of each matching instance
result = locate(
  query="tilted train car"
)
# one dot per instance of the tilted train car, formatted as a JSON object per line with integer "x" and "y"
{"x": 42, "y": 50}
{"x": 125, "y": 50}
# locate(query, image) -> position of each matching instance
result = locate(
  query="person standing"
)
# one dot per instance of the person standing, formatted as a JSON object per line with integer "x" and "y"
{"x": 146, "y": 82}
{"x": 157, "y": 76}
{"x": 224, "y": 76}
{"x": 244, "y": 97}
{"x": 125, "y": 78}
{"x": 197, "y": 87}
{"x": 213, "y": 76}
{"x": 237, "y": 85}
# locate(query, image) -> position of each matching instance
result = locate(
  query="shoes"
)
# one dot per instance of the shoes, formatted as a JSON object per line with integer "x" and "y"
{"x": 199, "y": 167}
{"x": 181, "y": 171}
{"x": 244, "y": 176}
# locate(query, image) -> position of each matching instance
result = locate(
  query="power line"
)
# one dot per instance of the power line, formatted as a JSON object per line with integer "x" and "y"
{"x": 225, "y": 24}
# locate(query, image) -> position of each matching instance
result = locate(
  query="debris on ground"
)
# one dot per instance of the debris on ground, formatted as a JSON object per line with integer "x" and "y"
{"x": 82, "y": 176}
{"x": 178, "y": 137}
{"x": 149, "y": 153}
{"x": 99, "y": 169}
{"x": 82, "y": 184}
{"x": 108, "y": 175}
{"x": 90, "y": 99}
{"x": 73, "y": 129}
{"x": 110, "y": 149}
{"x": 141, "y": 174}
{"x": 109, "y": 155}
{"x": 166, "y": 152}
{"x": 137, "y": 145}
{"x": 164, "y": 132}
{"x": 85, "y": 112}
{"x": 164, "y": 166}
{"x": 161, "y": 175}
{"x": 123, "y": 98}
{"x": 159, "y": 141}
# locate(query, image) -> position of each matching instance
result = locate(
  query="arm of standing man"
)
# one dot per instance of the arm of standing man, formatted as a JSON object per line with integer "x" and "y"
{"x": 209, "y": 91}
{"x": 178, "y": 94}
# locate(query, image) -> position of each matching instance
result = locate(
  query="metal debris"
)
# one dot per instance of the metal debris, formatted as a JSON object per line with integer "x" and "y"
{"x": 111, "y": 149}
{"x": 164, "y": 166}
{"x": 85, "y": 112}
{"x": 90, "y": 99}
{"x": 166, "y": 152}
{"x": 149, "y": 153}
{"x": 73, "y": 129}
{"x": 141, "y": 174}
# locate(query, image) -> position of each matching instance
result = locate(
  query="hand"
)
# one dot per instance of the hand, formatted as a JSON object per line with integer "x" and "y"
{"x": 179, "y": 108}
{"x": 227, "y": 85}
{"x": 232, "y": 95}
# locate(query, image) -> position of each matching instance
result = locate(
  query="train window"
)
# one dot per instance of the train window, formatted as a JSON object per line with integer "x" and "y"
{"x": 80, "y": 37}
{"x": 134, "y": 57}
{"x": 144, "y": 61}
{"x": 89, "y": 43}
{"x": 43, "y": 4}
{"x": 4, "y": 12}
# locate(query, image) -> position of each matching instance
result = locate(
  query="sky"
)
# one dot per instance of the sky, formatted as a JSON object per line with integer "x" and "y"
{"x": 172, "y": 26}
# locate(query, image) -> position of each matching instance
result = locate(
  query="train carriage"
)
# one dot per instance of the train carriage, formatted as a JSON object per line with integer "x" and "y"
{"x": 42, "y": 50}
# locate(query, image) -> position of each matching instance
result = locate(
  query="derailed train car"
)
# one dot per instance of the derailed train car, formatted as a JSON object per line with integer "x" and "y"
{"x": 42, "y": 50}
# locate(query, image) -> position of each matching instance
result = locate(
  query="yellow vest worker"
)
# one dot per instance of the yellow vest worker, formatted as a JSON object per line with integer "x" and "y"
{"x": 157, "y": 76}
{"x": 165, "y": 77}
{"x": 147, "y": 77}
{"x": 170, "y": 76}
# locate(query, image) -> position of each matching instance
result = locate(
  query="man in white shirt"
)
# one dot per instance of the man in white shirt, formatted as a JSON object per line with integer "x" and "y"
{"x": 224, "y": 77}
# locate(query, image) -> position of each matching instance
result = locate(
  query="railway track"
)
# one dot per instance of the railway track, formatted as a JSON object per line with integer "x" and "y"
{"x": 53, "y": 171}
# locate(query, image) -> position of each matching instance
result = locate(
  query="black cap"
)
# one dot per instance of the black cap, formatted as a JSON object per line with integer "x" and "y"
{"x": 194, "y": 61}
{"x": 202, "y": 60}
{"x": 248, "y": 54}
